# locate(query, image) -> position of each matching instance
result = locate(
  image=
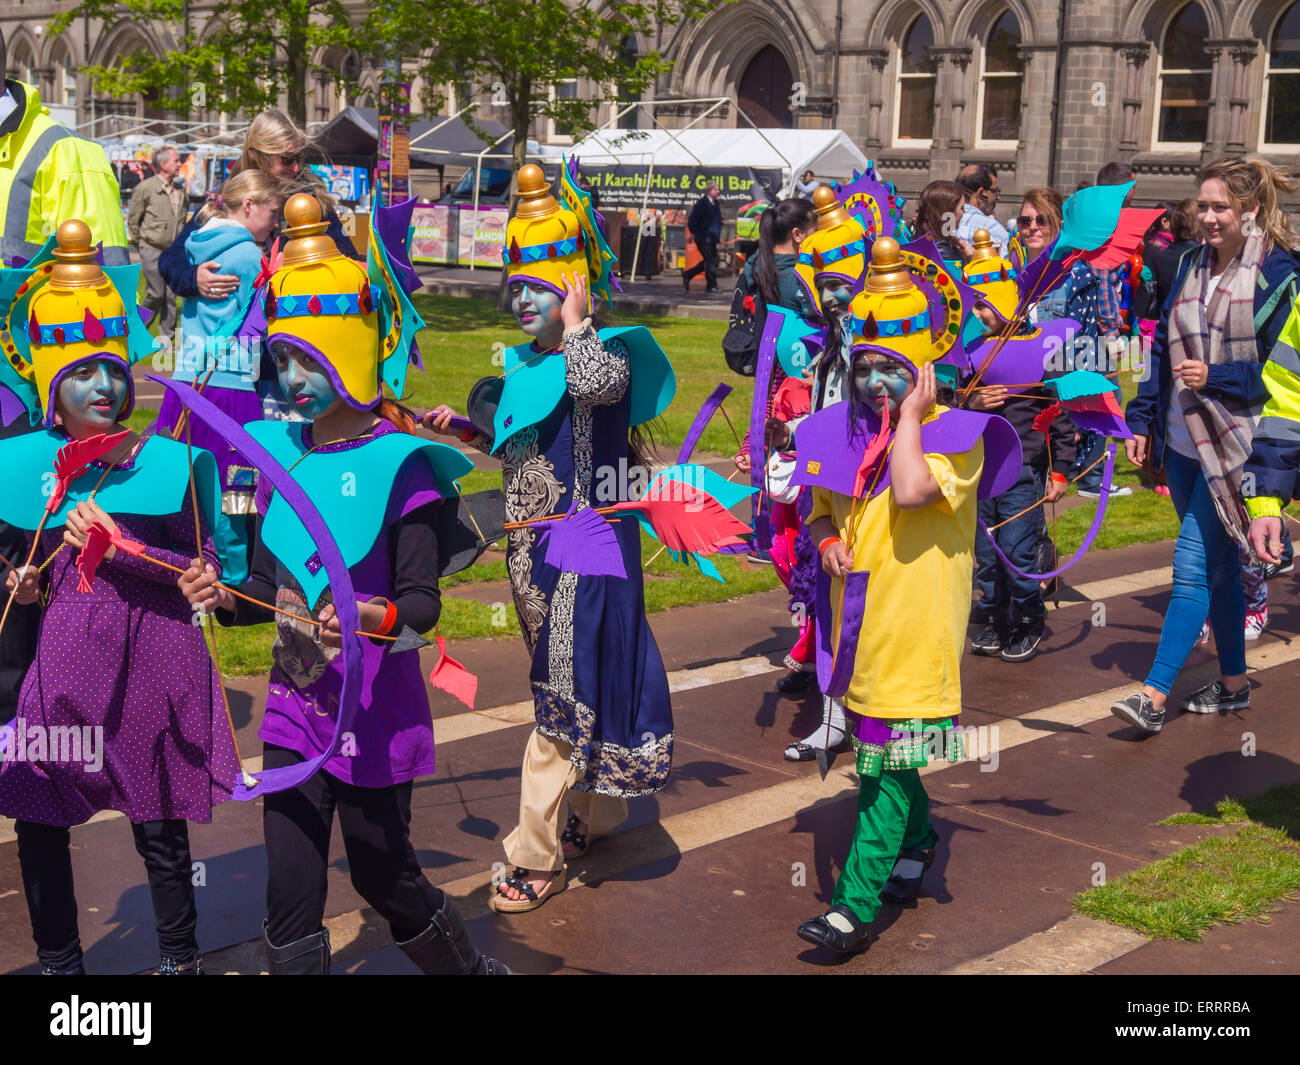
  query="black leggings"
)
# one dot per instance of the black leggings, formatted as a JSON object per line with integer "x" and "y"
{"x": 375, "y": 823}
{"x": 43, "y": 853}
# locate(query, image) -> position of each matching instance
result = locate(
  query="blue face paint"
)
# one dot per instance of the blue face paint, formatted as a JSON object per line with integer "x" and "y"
{"x": 881, "y": 381}
{"x": 835, "y": 294}
{"x": 91, "y": 396}
{"x": 536, "y": 309}
{"x": 304, "y": 381}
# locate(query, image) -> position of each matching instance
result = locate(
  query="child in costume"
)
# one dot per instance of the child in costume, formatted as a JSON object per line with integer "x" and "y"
{"x": 119, "y": 666}
{"x": 233, "y": 229}
{"x": 337, "y": 330}
{"x": 894, "y": 480}
{"x": 570, "y": 402}
{"x": 1011, "y": 613}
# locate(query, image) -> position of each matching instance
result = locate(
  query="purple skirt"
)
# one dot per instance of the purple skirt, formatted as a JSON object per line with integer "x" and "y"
{"x": 243, "y": 406}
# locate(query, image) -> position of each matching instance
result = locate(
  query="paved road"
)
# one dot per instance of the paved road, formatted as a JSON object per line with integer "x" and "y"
{"x": 715, "y": 872}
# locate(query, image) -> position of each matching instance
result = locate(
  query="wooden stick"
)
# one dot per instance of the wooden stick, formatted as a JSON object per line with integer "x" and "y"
{"x": 555, "y": 517}
{"x": 1031, "y": 506}
{"x": 183, "y": 422}
{"x": 31, "y": 554}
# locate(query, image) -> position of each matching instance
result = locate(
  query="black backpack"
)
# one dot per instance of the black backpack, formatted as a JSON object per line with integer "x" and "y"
{"x": 748, "y": 316}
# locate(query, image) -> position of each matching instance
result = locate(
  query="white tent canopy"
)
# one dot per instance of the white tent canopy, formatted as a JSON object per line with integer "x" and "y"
{"x": 828, "y": 153}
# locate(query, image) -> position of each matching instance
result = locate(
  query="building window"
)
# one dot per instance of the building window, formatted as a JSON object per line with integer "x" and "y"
{"x": 557, "y": 129}
{"x": 1183, "y": 80}
{"x": 1001, "y": 82}
{"x": 1282, "y": 82}
{"x": 914, "y": 100}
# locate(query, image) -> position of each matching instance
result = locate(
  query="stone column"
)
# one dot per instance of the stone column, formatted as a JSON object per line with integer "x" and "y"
{"x": 877, "y": 60}
{"x": 1243, "y": 53}
{"x": 1135, "y": 57}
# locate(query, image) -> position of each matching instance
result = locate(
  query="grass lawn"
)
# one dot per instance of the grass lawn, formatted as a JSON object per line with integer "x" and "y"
{"x": 1224, "y": 879}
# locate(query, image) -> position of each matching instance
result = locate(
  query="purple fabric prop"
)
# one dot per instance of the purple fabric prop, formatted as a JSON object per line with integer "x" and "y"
{"x": 834, "y": 673}
{"x": 1023, "y": 359}
{"x": 758, "y": 424}
{"x": 583, "y": 542}
{"x": 1103, "y": 422}
{"x": 806, "y": 565}
{"x": 10, "y": 406}
{"x": 1091, "y": 535}
{"x": 345, "y": 596}
{"x": 146, "y": 315}
{"x": 461, "y": 424}
{"x": 393, "y": 224}
{"x": 707, "y": 411}
{"x": 1042, "y": 275}
{"x": 829, "y": 456}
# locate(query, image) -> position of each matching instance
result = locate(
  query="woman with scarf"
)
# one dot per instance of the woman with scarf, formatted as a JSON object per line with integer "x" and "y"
{"x": 1196, "y": 417}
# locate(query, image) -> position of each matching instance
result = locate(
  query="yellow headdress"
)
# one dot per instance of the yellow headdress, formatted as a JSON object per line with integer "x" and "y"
{"x": 322, "y": 303}
{"x": 838, "y": 247}
{"x": 62, "y": 309}
{"x": 991, "y": 275}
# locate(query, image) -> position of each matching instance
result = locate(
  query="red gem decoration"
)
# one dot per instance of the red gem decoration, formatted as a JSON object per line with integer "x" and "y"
{"x": 550, "y": 251}
{"x": 93, "y": 328}
{"x": 942, "y": 279}
{"x": 313, "y": 305}
{"x": 34, "y": 330}
{"x": 364, "y": 301}
{"x": 58, "y": 334}
{"x": 817, "y": 258}
{"x": 907, "y": 326}
{"x": 582, "y": 244}
{"x": 22, "y": 288}
{"x": 515, "y": 255}
{"x": 869, "y": 328}
{"x": 1004, "y": 273}
{"x": 270, "y": 303}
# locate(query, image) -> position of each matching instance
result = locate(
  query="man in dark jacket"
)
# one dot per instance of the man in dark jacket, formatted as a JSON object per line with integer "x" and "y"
{"x": 705, "y": 226}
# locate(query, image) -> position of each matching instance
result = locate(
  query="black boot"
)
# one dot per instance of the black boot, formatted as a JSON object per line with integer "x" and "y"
{"x": 444, "y": 948}
{"x": 309, "y": 956}
{"x": 76, "y": 968}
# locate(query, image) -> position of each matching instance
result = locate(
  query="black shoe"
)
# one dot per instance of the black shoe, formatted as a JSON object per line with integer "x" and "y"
{"x": 1139, "y": 711}
{"x": 905, "y": 889}
{"x": 75, "y": 969}
{"x": 444, "y": 948}
{"x": 686, "y": 283}
{"x": 821, "y": 933}
{"x": 1276, "y": 569}
{"x": 1023, "y": 644}
{"x": 172, "y": 967}
{"x": 1215, "y": 697}
{"x": 797, "y": 681}
{"x": 988, "y": 642}
{"x": 309, "y": 956}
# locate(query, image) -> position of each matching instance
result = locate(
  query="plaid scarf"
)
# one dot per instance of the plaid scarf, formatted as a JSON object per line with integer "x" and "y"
{"x": 1218, "y": 331}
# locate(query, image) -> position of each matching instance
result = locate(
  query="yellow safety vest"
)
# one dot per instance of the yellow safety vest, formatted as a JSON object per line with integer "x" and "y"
{"x": 49, "y": 174}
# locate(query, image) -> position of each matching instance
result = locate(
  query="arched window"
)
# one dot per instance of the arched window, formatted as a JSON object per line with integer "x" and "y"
{"x": 1183, "y": 75}
{"x": 1282, "y": 82}
{"x": 65, "y": 78}
{"x": 22, "y": 64}
{"x": 1001, "y": 81}
{"x": 914, "y": 104}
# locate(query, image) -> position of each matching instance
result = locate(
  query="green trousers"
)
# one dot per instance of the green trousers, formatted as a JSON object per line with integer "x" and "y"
{"x": 893, "y": 815}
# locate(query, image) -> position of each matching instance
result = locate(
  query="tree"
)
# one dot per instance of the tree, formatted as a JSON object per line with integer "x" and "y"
{"x": 518, "y": 53}
{"x": 252, "y": 52}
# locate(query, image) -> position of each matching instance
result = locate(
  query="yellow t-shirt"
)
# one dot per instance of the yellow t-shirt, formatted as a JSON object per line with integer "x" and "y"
{"x": 918, "y": 593}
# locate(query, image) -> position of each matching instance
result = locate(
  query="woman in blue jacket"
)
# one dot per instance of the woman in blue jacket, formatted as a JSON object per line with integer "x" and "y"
{"x": 1196, "y": 413}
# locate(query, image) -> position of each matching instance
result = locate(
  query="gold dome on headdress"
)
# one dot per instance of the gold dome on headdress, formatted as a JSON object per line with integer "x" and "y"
{"x": 837, "y": 248}
{"x": 991, "y": 275}
{"x": 891, "y": 312}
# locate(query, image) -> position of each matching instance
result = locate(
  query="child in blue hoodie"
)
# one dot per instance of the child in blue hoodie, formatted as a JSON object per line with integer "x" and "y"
{"x": 232, "y": 230}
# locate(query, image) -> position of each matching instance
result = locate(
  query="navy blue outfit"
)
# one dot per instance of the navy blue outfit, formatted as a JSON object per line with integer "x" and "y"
{"x": 705, "y": 224}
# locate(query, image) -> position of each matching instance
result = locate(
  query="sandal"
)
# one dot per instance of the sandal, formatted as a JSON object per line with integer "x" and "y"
{"x": 806, "y": 752}
{"x": 582, "y": 841}
{"x": 905, "y": 889}
{"x": 532, "y": 899}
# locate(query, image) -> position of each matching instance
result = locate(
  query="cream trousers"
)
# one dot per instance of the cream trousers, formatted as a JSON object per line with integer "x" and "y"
{"x": 547, "y": 784}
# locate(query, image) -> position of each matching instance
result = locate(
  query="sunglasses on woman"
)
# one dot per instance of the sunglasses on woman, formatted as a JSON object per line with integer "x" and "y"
{"x": 1027, "y": 220}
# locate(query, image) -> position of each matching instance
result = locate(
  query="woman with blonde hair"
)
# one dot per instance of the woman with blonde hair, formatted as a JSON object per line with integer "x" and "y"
{"x": 1197, "y": 414}
{"x": 276, "y": 145}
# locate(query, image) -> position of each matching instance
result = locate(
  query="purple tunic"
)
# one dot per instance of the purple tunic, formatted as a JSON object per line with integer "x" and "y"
{"x": 393, "y": 733}
{"x": 123, "y": 662}
{"x": 240, "y": 404}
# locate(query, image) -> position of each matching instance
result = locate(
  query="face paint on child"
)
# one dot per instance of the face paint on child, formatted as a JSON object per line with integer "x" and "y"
{"x": 881, "y": 381}
{"x": 535, "y": 308}
{"x": 304, "y": 381}
{"x": 835, "y": 294}
{"x": 93, "y": 393}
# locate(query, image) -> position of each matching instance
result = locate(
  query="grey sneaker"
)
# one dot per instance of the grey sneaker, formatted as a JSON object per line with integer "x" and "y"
{"x": 988, "y": 641}
{"x": 1139, "y": 711}
{"x": 1215, "y": 697}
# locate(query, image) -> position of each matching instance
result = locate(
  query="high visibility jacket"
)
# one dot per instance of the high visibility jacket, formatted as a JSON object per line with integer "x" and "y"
{"x": 49, "y": 174}
{"x": 1272, "y": 475}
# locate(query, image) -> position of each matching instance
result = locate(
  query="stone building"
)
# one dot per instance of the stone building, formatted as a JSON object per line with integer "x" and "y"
{"x": 922, "y": 86}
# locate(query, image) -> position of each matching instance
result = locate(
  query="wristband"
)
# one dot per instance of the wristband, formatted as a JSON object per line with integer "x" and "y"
{"x": 1059, "y": 478}
{"x": 390, "y": 619}
{"x": 821, "y": 547}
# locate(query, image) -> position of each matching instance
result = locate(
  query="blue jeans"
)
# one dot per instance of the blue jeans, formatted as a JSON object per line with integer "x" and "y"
{"x": 1091, "y": 447}
{"x": 1207, "y": 580}
{"x": 1007, "y": 593}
